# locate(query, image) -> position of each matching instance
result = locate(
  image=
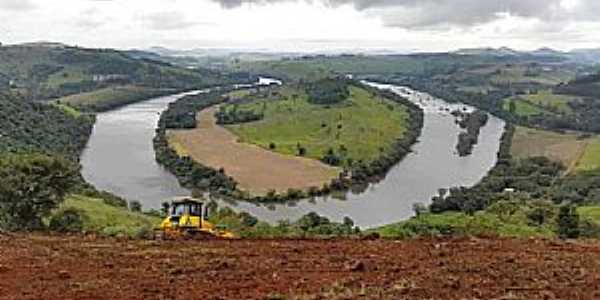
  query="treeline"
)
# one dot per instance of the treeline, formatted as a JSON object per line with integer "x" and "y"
{"x": 234, "y": 115}
{"x": 472, "y": 122}
{"x": 27, "y": 126}
{"x": 586, "y": 86}
{"x": 327, "y": 91}
{"x": 533, "y": 176}
{"x": 308, "y": 226}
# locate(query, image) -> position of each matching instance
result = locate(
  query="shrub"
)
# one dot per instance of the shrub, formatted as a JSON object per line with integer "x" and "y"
{"x": 568, "y": 222}
{"x": 135, "y": 206}
{"x": 68, "y": 220}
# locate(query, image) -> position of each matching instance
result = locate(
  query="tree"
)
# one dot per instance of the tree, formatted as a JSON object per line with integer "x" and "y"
{"x": 512, "y": 107}
{"x": 31, "y": 185}
{"x": 568, "y": 222}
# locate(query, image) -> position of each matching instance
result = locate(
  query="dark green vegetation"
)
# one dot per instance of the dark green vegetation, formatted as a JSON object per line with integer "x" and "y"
{"x": 472, "y": 122}
{"x": 27, "y": 126}
{"x": 327, "y": 91}
{"x": 310, "y": 225}
{"x": 234, "y": 115}
{"x": 39, "y": 192}
{"x": 30, "y": 187}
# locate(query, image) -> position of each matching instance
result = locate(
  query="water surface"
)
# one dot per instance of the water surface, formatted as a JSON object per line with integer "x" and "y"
{"x": 120, "y": 159}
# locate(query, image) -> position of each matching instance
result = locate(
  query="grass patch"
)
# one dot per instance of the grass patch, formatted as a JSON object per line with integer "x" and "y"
{"x": 108, "y": 98}
{"x": 110, "y": 220}
{"x": 488, "y": 222}
{"x": 522, "y": 107}
{"x": 591, "y": 213}
{"x": 361, "y": 127}
{"x": 68, "y": 110}
{"x": 551, "y": 101}
{"x": 590, "y": 161}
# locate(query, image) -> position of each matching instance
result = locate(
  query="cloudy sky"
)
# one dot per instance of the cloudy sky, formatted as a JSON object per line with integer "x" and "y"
{"x": 308, "y": 25}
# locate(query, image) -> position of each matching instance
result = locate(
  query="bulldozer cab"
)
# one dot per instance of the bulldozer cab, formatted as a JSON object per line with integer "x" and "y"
{"x": 190, "y": 208}
{"x": 187, "y": 212}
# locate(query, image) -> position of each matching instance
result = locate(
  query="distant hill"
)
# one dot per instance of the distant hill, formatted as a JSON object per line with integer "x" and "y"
{"x": 48, "y": 70}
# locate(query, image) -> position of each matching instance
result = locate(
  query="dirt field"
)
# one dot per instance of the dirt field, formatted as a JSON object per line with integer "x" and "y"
{"x": 255, "y": 169}
{"x": 38, "y": 267}
{"x": 565, "y": 148}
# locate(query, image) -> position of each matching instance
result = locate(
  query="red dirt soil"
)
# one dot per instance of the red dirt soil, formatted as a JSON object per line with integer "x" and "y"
{"x": 44, "y": 267}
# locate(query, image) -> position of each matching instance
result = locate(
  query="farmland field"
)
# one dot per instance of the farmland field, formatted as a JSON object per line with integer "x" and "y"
{"x": 590, "y": 161}
{"x": 257, "y": 171}
{"x": 576, "y": 153}
{"x": 548, "y": 99}
{"x": 566, "y": 148}
{"x": 362, "y": 125}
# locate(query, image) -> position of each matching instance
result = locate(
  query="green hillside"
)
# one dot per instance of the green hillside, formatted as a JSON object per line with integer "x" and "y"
{"x": 358, "y": 129}
{"x": 49, "y": 71}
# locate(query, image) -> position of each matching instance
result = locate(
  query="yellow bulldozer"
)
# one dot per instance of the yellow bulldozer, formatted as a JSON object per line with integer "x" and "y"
{"x": 187, "y": 219}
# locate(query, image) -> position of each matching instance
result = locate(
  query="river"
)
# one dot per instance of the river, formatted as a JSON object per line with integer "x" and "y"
{"x": 119, "y": 158}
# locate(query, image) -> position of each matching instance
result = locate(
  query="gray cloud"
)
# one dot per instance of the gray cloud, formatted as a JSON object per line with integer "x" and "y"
{"x": 16, "y": 5}
{"x": 433, "y": 13}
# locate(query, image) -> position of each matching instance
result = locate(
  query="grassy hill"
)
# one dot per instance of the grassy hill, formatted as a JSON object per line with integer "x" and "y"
{"x": 105, "y": 219}
{"x": 312, "y": 68}
{"x": 360, "y": 128}
{"x": 41, "y": 71}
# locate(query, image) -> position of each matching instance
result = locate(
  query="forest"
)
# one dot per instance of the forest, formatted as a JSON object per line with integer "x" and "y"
{"x": 27, "y": 126}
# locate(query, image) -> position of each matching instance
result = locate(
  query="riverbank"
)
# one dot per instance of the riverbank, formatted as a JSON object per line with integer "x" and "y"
{"x": 123, "y": 162}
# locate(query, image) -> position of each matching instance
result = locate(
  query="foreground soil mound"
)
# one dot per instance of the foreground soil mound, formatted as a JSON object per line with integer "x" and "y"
{"x": 41, "y": 267}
